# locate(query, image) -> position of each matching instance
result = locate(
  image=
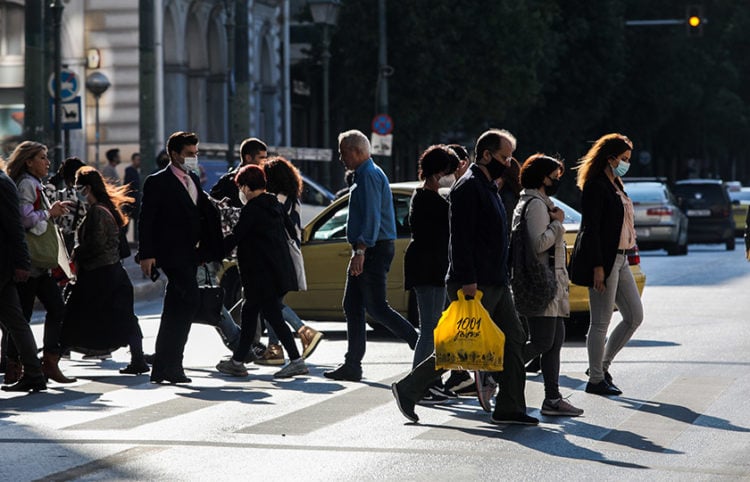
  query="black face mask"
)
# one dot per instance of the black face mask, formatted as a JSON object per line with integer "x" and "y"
{"x": 552, "y": 189}
{"x": 495, "y": 168}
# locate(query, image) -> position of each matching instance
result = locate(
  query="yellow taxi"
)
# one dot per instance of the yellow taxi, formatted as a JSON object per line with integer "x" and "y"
{"x": 326, "y": 254}
{"x": 740, "y": 203}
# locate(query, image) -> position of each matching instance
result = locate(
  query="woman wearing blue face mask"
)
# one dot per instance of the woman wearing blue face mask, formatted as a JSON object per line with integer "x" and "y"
{"x": 600, "y": 259}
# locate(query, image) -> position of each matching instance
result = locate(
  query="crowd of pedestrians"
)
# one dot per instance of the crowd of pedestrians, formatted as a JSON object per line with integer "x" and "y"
{"x": 460, "y": 243}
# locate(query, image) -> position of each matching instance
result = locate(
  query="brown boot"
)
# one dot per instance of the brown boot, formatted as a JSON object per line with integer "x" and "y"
{"x": 310, "y": 339}
{"x": 51, "y": 370}
{"x": 13, "y": 371}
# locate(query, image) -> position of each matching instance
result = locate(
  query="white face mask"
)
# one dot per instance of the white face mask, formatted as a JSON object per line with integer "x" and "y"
{"x": 447, "y": 181}
{"x": 191, "y": 164}
{"x": 243, "y": 198}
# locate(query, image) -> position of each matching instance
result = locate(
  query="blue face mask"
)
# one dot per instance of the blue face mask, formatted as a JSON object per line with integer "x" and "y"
{"x": 621, "y": 168}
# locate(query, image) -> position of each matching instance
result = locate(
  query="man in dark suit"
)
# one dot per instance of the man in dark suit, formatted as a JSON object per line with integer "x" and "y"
{"x": 179, "y": 229}
{"x": 252, "y": 151}
{"x": 15, "y": 266}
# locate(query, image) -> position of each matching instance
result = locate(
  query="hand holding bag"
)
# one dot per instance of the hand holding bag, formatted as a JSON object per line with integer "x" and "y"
{"x": 211, "y": 302}
{"x": 533, "y": 282}
{"x": 466, "y": 338}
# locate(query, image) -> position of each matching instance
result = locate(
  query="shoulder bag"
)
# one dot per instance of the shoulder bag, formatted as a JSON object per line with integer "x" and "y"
{"x": 211, "y": 302}
{"x": 533, "y": 282}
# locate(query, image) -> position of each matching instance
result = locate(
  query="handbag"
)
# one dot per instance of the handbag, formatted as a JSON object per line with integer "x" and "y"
{"x": 295, "y": 253}
{"x": 533, "y": 282}
{"x": 466, "y": 338}
{"x": 211, "y": 302}
{"x": 44, "y": 248}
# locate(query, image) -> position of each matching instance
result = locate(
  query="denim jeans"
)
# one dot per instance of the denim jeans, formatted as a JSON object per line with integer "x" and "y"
{"x": 366, "y": 294}
{"x": 547, "y": 334}
{"x": 431, "y": 303}
{"x": 622, "y": 292}
{"x": 270, "y": 308}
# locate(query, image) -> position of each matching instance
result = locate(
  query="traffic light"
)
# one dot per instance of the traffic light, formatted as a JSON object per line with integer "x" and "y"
{"x": 694, "y": 20}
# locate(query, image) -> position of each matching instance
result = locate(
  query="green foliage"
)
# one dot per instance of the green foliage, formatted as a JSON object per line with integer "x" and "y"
{"x": 556, "y": 73}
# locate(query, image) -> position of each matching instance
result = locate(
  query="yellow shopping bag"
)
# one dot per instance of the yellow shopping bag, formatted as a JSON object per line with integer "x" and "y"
{"x": 466, "y": 338}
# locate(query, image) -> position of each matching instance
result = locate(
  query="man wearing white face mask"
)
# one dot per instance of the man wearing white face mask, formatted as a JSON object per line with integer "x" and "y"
{"x": 179, "y": 230}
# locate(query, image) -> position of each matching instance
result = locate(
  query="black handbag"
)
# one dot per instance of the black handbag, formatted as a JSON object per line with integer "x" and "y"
{"x": 211, "y": 303}
{"x": 533, "y": 282}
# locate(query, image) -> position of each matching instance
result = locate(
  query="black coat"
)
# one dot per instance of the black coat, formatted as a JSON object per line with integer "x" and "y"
{"x": 174, "y": 230}
{"x": 426, "y": 258}
{"x": 14, "y": 253}
{"x": 601, "y": 224}
{"x": 266, "y": 268}
{"x": 225, "y": 187}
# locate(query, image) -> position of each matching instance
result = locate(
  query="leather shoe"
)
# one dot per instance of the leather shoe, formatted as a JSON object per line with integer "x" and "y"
{"x": 405, "y": 405}
{"x": 344, "y": 372}
{"x": 602, "y": 388}
{"x": 135, "y": 368}
{"x": 173, "y": 378}
{"x": 27, "y": 384}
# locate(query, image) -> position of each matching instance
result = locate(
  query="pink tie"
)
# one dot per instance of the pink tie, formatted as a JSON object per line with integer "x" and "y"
{"x": 190, "y": 186}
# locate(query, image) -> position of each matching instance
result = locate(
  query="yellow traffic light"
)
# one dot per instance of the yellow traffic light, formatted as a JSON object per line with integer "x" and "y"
{"x": 694, "y": 21}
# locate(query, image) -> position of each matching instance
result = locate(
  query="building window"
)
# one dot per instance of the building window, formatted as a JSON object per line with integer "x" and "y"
{"x": 11, "y": 29}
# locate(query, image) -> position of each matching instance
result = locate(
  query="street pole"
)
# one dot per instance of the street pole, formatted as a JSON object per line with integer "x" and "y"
{"x": 229, "y": 24}
{"x": 97, "y": 83}
{"x": 326, "y": 57}
{"x": 57, "y": 10}
{"x": 240, "y": 105}
{"x": 34, "y": 99}
{"x": 147, "y": 87}
{"x": 383, "y": 72}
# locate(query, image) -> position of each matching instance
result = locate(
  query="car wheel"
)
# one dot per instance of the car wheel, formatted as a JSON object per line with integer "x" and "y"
{"x": 229, "y": 279}
{"x": 730, "y": 244}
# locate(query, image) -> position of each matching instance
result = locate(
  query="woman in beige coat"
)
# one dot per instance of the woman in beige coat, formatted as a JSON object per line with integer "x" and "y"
{"x": 540, "y": 178}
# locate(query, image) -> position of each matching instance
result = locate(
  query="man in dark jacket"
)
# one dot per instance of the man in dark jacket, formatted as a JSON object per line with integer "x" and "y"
{"x": 478, "y": 252}
{"x": 179, "y": 230}
{"x": 252, "y": 151}
{"x": 15, "y": 266}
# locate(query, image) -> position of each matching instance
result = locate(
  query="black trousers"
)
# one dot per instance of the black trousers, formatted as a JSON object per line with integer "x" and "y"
{"x": 180, "y": 305}
{"x": 49, "y": 293}
{"x": 16, "y": 327}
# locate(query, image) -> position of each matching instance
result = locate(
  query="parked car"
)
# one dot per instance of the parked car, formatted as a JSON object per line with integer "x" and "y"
{"x": 326, "y": 253}
{"x": 709, "y": 210}
{"x": 659, "y": 222}
{"x": 740, "y": 204}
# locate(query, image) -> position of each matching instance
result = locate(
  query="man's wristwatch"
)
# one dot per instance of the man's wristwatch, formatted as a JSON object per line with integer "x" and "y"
{"x": 358, "y": 252}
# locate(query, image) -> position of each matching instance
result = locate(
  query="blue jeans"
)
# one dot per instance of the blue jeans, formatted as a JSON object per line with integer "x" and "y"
{"x": 227, "y": 328}
{"x": 366, "y": 294}
{"x": 431, "y": 303}
{"x": 292, "y": 320}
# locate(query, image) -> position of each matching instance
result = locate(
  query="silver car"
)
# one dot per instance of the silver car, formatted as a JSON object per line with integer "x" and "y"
{"x": 659, "y": 223}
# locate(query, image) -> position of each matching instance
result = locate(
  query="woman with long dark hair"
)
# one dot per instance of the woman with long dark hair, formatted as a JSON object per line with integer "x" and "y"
{"x": 99, "y": 311}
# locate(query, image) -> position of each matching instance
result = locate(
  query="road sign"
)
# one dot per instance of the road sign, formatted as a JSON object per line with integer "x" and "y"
{"x": 69, "y": 85}
{"x": 381, "y": 145}
{"x": 71, "y": 113}
{"x": 382, "y": 124}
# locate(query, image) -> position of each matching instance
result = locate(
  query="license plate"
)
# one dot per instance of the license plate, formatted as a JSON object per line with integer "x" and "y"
{"x": 698, "y": 212}
{"x": 642, "y": 232}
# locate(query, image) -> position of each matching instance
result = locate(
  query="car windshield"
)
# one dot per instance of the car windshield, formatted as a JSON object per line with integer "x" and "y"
{"x": 571, "y": 215}
{"x": 645, "y": 194}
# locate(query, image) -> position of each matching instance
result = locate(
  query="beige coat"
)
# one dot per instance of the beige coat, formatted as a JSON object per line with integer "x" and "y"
{"x": 544, "y": 234}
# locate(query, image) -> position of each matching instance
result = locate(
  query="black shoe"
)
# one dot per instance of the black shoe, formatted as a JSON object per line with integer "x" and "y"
{"x": 405, "y": 405}
{"x": 607, "y": 376}
{"x": 458, "y": 380}
{"x": 149, "y": 358}
{"x": 432, "y": 398}
{"x": 602, "y": 388}
{"x": 135, "y": 368}
{"x": 513, "y": 418}
{"x": 442, "y": 392}
{"x": 534, "y": 366}
{"x": 173, "y": 378}
{"x": 344, "y": 372}
{"x": 27, "y": 384}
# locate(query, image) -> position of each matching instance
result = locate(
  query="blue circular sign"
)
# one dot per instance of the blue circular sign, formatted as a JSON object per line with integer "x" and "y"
{"x": 382, "y": 124}
{"x": 69, "y": 85}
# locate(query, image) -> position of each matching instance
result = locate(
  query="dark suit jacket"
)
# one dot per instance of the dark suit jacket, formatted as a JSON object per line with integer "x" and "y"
{"x": 14, "y": 253}
{"x": 601, "y": 223}
{"x": 173, "y": 229}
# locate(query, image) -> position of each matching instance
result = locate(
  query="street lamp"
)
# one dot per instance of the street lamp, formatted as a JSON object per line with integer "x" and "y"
{"x": 325, "y": 13}
{"x": 97, "y": 83}
{"x": 229, "y": 26}
{"x": 57, "y": 10}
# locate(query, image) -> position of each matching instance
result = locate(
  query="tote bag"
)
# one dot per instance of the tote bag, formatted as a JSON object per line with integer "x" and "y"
{"x": 466, "y": 338}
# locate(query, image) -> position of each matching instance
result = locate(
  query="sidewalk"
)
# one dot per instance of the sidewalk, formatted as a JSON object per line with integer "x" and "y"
{"x": 143, "y": 288}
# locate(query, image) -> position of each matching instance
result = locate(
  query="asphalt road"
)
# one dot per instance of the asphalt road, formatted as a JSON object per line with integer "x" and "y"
{"x": 684, "y": 413}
